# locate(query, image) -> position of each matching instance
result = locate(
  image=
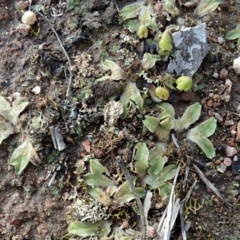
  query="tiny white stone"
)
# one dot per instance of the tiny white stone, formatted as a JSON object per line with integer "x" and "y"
{"x": 220, "y": 40}
{"x": 16, "y": 95}
{"x": 36, "y": 90}
{"x": 215, "y": 75}
{"x": 236, "y": 65}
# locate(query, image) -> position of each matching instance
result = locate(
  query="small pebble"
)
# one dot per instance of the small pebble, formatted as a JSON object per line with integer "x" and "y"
{"x": 221, "y": 168}
{"x": 215, "y": 75}
{"x": 236, "y": 65}
{"x": 229, "y": 122}
{"x": 231, "y": 151}
{"x": 36, "y": 90}
{"x": 233, "y": 133}
{"x": 218, "y": 117}
{"x": 158, "y": 7}
{"x": 238, "y": 132}
{"x": 227, "y": 161}
{"x": 228, "y": 83}
{"x": 220, "y": 40}
{"x": 210, "y": 103}
{"x": 180, "y": 21}
{"x": 223, "y": 73}
{"x": 230, "y": 142}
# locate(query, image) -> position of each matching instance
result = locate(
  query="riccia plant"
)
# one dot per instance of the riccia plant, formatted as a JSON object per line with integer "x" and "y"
{"x": 166, "y": 122}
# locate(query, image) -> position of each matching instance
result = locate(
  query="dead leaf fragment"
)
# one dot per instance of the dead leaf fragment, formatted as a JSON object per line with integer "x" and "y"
{"x": 12, "y": 113}
{"x": 87, "y": 146}
{"x": 6, "y": 129}
{"x": 117, "y": 72}
{"x": 22, "y": 155}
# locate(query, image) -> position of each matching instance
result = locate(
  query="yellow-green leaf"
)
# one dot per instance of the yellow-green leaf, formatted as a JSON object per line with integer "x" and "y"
{"x": 205, "y": 7}
{"x": 22, "y": 155}
{"x": 12, "y": 113}
{"x": 6, "y": 129}
{"x": 131, "y": 10}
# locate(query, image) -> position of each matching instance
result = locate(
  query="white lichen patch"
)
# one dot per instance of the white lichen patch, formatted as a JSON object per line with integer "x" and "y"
{"x": 112, "y": 112}
{"x": 82, "y": 62}
{"x": 85, "y": 67}
{"x": 88, "y": 210}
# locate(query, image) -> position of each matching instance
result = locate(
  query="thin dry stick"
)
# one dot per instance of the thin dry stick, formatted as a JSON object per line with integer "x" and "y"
{"x": 139, "y": 203}
{"x": 210, "y": 185}
{"x": 116, "y": 5}
{"x": 182, "y": 206}
{"x": 170, "y": 208}
{"x": 64, "y": 51}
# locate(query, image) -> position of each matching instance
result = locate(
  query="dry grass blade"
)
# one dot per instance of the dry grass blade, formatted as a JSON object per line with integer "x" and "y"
{"x": 147, "y": 204}
{"x": 64, "y": 51}
{"x": 185, "y": 200}
{"x": 210, "y": 185}
{"x": 182, "y": 206}
{"x": 139, "y": 203}
{"x": 170, "y": 214}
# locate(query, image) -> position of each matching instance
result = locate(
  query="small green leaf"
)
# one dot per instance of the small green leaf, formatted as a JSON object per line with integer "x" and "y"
{"x": 131, "y": 10}
{"x": 162, "y": 93}
{"x": 170, "y": 6}
{"x": 17, "y": 107}
{"x": 233, "y": 34}
{"x": 165, "y": 190}
{"x": 152, "y": 181}
{"x": 152, "y": 93}
{"x": 100, "y": 196}
{"x": 96, "y": 177}
{"x": 149, "y": 60}
{"x": 82, "y": 229}
{"x": 184, "y": 83}
{"x": 131, "y": 25}
{"x": 124, "y": 192}
{"x": 142, "y": 31}
{"x": 207, "y": 147}
{"x": 238, "y": 44}
{"x": 153, "y": 125}
{"x": 146, "y": 17}
{"x": 141, "y": 159}
{"x": 200, "y": 133}
{"x": 36, "y": 122}
{"x": 117, "y": 72}
{"x": 206, "y": 129}
{"x": 206, "y": 6}
{"x": 165, "y": 42}
{"x": 157, "y": 160}
{"x": 168, "y": 114}
{"x": 130, "y": 95}
{"x": 12, "y": 113}
{"x": 6, "y": 129}
{"x": 190, "y": 116}
{"x": 168, "y": 173}
{"x": 22, "y": 155}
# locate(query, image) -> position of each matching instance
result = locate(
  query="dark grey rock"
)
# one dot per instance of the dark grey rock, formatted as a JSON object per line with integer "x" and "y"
{"x": 191, "y": 48}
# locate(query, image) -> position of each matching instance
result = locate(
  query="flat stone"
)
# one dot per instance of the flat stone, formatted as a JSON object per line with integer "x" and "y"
{"x": 191, "y": 48}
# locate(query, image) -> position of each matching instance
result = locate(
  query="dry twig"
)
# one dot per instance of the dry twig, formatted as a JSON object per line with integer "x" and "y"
{"x": 64, "y": 51}
{"x": 210, "y": 185}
